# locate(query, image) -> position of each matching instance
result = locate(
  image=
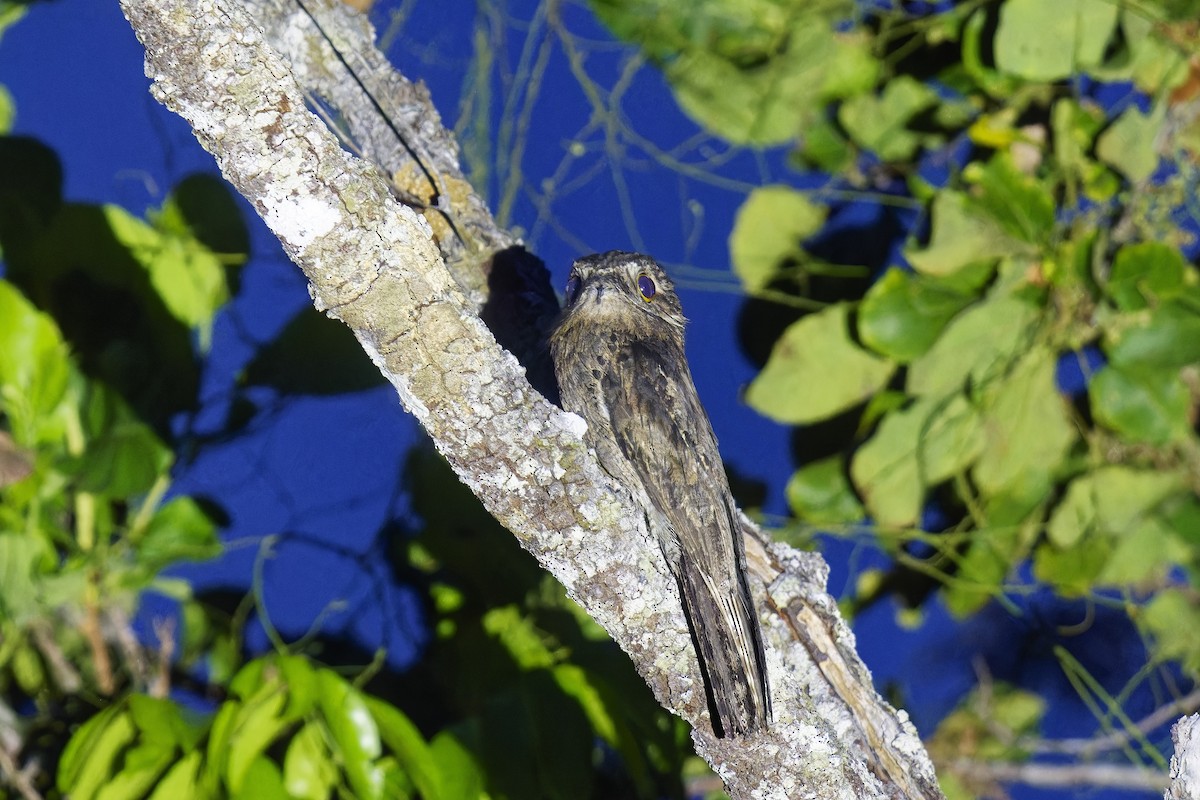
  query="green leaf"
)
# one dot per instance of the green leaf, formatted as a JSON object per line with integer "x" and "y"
{"x": 822, "y": 146}
{"x": 1073, "y": 571}
{"x": 179, "y": 531}
{"x": 164, "y": 723}
{"x": 34, "y": 365}
{"x": 203, "y": 207}
{"x": 564, "y": 742}
{"x": 308, "y": 769}
{"x": 396, "y": 785}
{"x": 992, "y": 551}
{"x": 1129, "y": 144}
{"x": 314, "y": 354}
{"x": 250, "y": 678}
{"x": 220, "y": 737}
{"x": 576, "y": 683}
{"x": 178, "y": 589}
{"x": 854, "y": 69}
{"x": 1027, "y": 429}
{"x": 955, "y": 788}
{"x": 1042, "y": 41}
{"x": 1146, "y": 551}
{"x": 903, "y": 314}
{"x": 750, "y": 72}
{"x": 963, "y": 235}
{"x": 262, "y": 781}
{"x": 768, "y": 231}
{"x": 1168, "y": 338}
{"x": 10, "y": 14}
{"x": 1109, "y": 501}
{"x": 520, "y": 638}
{"x": 141, "y": 351}
{"x": 126, "y": 460}
{"x": 89, "y": 761}
{"x": 1146, "y": 273}
{"x": 534, "y": 741}
{"x": 1017, "y": 710}
{"x": 1157, "y": 64}
{"x": 21, "y": 557}
{"x": 412, "y": 752}
{"x": 63, "y": 588}
{"x": 880, "y": 123}
{"x": 980, "y": 343}
{"x": 81, "y": 744}
{"x": 8, "y": 111}
{"x": 977, "y": 57}
{"x": 354, "y": 733}
{"x": 620, "y": 713}
{"x": 1183, "y": 517}
{"x": 302, "y": 685}
{"x": 186, "y": 275}
{"x": 142, "y": 767}
{"x": 27, "y": 670}
{"x": 461, "y": 772}
{"x": 820, "y": 493}
{"x": 1009, "y": 214}
{"x": 258, "y": 723}
{"x": 1070, "y": 267}
{"x": 1173, "y": 619}
{"x": 816, "y": 371}
{"x": 1019, "y": 203}
{"x": 1144, "y": 404}
{"x": 181, "y": 781}
{"x": 913, "y": 450}
{"x": 1074, "y": 127}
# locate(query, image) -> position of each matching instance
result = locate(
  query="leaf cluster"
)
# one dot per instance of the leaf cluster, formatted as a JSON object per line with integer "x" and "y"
{"x": 519, "y": 694}
{"x": 102, "y": 318}
{"x": 1024, "y": 368}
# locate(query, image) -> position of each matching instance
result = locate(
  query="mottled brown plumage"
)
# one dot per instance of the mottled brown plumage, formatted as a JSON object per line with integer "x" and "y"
{"x": 618, "y": 354}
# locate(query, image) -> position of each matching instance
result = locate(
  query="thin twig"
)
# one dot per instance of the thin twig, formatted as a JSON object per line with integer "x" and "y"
{"x": 1117, "y": 739}
{"x": 1108, "y": 776}
{"x": 17, "y": 777}
{"x": 164, "y": 632}
{"x": 65, "y": 674}
{"x": 121, "y": 628}
{"x": 102, "y": 663}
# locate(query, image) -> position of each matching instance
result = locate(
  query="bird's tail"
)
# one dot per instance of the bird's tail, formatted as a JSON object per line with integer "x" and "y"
{"x": 730, "y": 648}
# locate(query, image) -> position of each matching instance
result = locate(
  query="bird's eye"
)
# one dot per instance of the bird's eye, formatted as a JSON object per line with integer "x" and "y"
{"x": 646, "y": 287}
{"x": 572, "y": 291}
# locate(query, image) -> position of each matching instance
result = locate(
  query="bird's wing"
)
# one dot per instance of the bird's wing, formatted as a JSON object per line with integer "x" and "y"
{"x": 661, "y": 429}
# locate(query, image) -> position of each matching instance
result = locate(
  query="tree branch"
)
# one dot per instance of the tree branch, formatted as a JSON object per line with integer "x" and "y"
{"x": 243, "y": 74}
{"x": 1089, "y": 748}
{"x": 1185, "y": 764}
{"x": 12, "y": 739}
{"x": 1058, "y": 776}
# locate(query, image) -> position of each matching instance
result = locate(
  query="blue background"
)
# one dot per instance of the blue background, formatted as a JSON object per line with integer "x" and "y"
{"x": 324, "y": 474}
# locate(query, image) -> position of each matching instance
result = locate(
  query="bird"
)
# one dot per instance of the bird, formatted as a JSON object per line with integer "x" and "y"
{"x": 618, "y": 354}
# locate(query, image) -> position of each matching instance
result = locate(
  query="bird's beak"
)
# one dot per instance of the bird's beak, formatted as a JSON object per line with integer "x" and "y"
{"x": 593, "y": 290}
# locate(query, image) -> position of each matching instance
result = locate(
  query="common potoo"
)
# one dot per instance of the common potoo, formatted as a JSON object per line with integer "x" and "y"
{"x": 618, "y": 354}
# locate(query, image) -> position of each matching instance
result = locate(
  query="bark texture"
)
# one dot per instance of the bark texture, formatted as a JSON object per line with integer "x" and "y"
{"x": 1185, "y": 764}
{"x": 397, "y": 246}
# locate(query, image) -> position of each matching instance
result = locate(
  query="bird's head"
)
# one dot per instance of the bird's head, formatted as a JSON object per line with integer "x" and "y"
{"x": 621, "y": 290}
